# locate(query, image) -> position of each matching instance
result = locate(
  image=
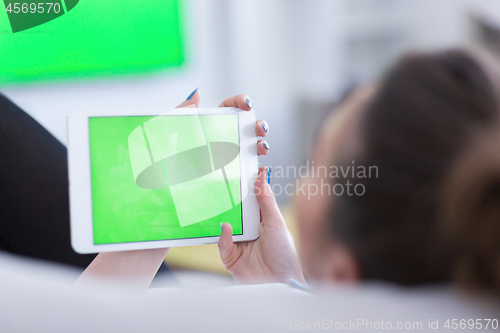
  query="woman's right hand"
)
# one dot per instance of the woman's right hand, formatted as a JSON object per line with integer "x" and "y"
{"x": 270, "y": 258}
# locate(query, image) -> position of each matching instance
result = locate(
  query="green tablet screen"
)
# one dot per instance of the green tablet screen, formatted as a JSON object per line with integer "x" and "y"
{"x": 166, "y": 177}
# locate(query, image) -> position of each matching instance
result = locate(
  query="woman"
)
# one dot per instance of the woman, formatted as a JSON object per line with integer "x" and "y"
{"x": 432, "y": 213}
{"x": 429, "y": 215}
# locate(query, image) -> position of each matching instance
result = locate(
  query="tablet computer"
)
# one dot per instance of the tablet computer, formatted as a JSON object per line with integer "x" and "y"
{"x": 152, "y": 179}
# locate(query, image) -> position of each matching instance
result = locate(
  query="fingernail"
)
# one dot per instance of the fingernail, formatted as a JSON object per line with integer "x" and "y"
{"x": 249, "y": 102}
{"x": 192, "y": 94}
{"x": 264, "y": 126}
{"x": 269, "y": 170}
{"x": 221, "y": 226}
{"x": 265, "y": 145}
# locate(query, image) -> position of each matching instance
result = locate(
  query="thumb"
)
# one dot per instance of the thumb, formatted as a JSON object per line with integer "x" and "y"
{"x": 193, "y": 99}
{"x": 271, "y": 215}
{"x": 226, "y": 246}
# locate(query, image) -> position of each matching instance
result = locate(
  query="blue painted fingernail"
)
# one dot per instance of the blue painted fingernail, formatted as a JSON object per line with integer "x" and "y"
{"x": 192, "y": 94}
{"x": 265, "y": 145}
{"x": 264, "y": 126}
{"x": 249, "y": 102}
{"x": 269, "y": 170}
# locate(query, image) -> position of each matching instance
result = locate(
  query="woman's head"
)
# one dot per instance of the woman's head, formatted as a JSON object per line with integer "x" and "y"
{"x": 420, "y": 123}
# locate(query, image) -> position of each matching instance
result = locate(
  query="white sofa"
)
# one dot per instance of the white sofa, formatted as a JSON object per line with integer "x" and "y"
{"x": 38, "y": 297}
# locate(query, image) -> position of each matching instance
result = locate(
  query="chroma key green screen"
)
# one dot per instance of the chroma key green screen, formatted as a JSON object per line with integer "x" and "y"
{"x": 166, "y": 177}
{"x": 42, "y": 40}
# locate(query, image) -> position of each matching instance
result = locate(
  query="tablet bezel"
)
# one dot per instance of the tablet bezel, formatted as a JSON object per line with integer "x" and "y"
{"x": 80, "y": 193}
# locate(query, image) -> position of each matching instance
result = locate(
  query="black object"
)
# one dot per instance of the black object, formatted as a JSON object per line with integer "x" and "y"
{"x": 34, "y": 203}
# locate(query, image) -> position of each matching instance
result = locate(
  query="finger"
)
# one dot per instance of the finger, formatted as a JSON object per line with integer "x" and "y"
{"x": 193, "y": 99}
{"x": 226, "y": 246}
{"x": 267, "y": 202}
{"x": 262, "y": 147}
{"x": 240, "y": 101}
{"x": 261, "y": 128}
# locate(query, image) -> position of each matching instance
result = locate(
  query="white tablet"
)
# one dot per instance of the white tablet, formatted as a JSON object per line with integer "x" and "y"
{"x": 162, "y": 178}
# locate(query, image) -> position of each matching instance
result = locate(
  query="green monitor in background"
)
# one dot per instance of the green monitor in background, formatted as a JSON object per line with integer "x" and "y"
{"x": 88, "y": 38}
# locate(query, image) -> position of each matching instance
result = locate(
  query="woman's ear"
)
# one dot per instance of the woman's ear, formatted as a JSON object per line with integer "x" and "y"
{"x": 341, "y": 265}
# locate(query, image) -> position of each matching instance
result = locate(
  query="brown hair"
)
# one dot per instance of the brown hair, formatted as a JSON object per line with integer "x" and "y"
{"x": 416, "y": 222}
{"x": 470, "y": 214}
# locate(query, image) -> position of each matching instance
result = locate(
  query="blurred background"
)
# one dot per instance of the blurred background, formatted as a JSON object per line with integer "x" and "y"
{"x": 294, "y": 58}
